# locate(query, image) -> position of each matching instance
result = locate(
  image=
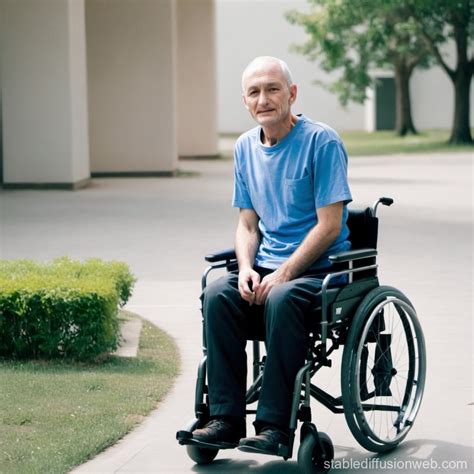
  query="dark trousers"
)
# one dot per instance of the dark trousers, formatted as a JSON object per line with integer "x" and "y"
{"x": 230, "y": 322}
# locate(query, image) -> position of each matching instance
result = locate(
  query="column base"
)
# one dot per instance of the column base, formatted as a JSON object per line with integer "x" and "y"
{"x": 67, "y": 186}
{"x": 133, "y": 174}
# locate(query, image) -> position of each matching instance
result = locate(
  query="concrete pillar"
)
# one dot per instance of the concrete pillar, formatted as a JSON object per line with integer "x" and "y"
{"x": 131, "y": 51}
{"x": 44, "y": 93}
{"x": 197, "y": 78}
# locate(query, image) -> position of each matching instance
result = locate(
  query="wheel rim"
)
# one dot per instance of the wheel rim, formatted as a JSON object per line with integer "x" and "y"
{"x": 389, "y": 373}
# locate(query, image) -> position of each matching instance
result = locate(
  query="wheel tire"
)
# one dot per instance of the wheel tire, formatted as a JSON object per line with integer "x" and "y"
{"x": 201, "y": 455}
{"x": 310, "y": 458}
{"x": 385, "y": 302}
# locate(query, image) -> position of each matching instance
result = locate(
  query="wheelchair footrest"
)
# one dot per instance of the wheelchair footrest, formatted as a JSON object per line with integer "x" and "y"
{"x": 283, "y": 451}
{"x": 186, "y": 437}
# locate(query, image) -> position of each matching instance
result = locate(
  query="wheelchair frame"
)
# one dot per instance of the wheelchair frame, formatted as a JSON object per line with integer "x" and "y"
{"x": 338, "y": 327}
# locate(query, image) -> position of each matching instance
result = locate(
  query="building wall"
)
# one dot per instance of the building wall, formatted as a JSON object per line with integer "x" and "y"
{"x": 246, "y": 29}
{"x": 42, "y": 54}
{"x": 197, "y": 92}
{"x": 432, "y": 99}
{"x": 131, "y": 51}
{"x": 78, "y": 82}
{"x": 249, "y": 28}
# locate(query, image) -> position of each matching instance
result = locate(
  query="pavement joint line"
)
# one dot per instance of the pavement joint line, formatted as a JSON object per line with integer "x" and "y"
{"x": 117, "y": 471}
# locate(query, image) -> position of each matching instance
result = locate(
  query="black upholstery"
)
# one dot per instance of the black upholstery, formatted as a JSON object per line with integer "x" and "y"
{"x": 363, "y": 229}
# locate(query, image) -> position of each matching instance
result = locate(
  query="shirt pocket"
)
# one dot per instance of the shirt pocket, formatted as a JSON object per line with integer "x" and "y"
{"x": 299, "y": 196}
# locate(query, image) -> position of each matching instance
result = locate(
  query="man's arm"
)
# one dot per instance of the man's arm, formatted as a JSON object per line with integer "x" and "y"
{"x": 247, "y": 239}
{"x": 313, "y": 246}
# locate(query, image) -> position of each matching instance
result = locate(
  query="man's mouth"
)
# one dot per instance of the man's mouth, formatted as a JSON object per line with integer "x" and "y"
{"x": 265, "y": 111}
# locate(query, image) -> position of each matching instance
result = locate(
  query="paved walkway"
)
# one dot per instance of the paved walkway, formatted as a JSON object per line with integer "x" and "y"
{"x": 163, "y": 227}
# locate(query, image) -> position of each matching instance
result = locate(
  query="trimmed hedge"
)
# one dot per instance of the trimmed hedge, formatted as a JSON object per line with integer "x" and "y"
{"x": 64, "y": 308}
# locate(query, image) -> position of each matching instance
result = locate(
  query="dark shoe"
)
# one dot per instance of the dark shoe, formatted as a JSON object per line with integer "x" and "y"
{"x": 268, "y": 441}
{"x": 219, "y": 433}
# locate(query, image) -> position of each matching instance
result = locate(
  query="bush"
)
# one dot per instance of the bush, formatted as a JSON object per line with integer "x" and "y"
{"x": 61, "y": 309}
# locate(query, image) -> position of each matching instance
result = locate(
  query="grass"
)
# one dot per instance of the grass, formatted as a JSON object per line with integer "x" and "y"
{"x": 387, "y": 142}
{"x": 54, "y": 415}
{"x": 359, "y": 143}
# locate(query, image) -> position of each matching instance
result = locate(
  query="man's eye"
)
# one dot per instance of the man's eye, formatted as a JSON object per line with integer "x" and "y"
{"x": 253, "y": 93}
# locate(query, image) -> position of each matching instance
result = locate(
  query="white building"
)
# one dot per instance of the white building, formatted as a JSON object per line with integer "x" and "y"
{"x": 125, "y": 87}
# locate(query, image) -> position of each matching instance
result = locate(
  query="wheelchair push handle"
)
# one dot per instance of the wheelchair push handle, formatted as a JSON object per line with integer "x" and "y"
{"x": 386, "y": 201}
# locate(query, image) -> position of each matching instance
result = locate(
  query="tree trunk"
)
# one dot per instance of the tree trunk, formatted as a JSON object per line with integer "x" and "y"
{"x": 403, "y": 120}
{"x": 461, "y": 131}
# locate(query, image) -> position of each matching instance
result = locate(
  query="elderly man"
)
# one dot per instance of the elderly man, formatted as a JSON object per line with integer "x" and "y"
{"x": 290, "y": 184}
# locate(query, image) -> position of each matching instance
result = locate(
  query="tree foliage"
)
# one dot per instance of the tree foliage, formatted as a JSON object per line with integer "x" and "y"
{"x": 356, "y": 36}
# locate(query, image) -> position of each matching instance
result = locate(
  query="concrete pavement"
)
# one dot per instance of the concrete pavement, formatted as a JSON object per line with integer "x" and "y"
{"x": 163, "y": 227}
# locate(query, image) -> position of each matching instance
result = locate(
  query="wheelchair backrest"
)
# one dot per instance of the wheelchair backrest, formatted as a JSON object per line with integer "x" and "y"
{"x": 363, "y": 228}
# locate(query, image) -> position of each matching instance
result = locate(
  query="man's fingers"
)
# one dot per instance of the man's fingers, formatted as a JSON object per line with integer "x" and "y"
{"x": 249, "y": 297}
{"x": 261, "y": 294}
{"x": 249, "y": 285}
{"x": 255, "y": 282}
{"x": 245, "y": 292}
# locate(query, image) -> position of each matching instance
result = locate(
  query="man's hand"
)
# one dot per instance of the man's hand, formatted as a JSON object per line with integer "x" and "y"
{"x": 249, "y": 284}
{"x": 268, "y": 282}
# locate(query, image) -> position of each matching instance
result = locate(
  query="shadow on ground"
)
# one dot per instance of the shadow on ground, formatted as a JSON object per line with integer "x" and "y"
{"x": 422, "y": 455}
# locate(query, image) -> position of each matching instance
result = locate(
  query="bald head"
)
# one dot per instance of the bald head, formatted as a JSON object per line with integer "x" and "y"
{"x": 266, "y": 62}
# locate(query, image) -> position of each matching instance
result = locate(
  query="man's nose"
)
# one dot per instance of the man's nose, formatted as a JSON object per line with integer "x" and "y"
{"x": 262, "y": 98}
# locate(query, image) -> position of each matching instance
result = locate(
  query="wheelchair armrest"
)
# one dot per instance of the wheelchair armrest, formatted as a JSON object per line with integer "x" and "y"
{"x": 352, "y": 255}
{"x": 223, "y": 255}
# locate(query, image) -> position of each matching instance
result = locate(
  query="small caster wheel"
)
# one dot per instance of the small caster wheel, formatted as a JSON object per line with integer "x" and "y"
{"x": 311, "y": 459}
{"x": 201, "y": 455}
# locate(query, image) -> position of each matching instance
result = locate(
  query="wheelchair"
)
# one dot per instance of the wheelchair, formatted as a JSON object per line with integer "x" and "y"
{"x": 383, "y": 362}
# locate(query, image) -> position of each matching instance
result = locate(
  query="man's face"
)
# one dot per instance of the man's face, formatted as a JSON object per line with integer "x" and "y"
{"x": 268, "y": 97}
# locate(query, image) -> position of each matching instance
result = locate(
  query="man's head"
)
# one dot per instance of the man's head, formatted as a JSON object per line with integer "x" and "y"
{"x": 268, "y": 90}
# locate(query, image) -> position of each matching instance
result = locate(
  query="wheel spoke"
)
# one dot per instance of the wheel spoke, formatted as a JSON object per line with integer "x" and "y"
{"x": 386, "y": 326}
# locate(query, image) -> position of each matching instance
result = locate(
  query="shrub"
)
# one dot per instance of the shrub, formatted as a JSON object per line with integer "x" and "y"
{"x": 64, "y": 308}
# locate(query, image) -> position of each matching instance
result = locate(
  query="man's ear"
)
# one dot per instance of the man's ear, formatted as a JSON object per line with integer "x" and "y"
{"x": 245, "y": 101}
{"x": 293, "y": 93}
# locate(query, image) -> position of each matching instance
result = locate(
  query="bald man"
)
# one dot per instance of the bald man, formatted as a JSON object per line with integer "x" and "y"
{"x": 290, "y": 184}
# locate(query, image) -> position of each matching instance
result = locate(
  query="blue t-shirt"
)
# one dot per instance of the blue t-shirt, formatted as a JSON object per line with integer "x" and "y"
{"x": 286, "y": 183}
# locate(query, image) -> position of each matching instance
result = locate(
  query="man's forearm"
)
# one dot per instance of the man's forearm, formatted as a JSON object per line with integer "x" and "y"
{"x": 246, "y": 246}
{"x": 312, "y": 247}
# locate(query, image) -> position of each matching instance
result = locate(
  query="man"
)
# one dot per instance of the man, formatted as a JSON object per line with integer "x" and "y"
{"x": 291, "y": 188}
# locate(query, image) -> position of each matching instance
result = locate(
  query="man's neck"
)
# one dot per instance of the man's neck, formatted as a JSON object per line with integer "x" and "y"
{"x": 272, "y": 135}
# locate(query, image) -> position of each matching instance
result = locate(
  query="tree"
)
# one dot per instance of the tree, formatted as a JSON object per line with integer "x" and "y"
{"x": 439, "y": 21}
{"x": 356, "y": 36}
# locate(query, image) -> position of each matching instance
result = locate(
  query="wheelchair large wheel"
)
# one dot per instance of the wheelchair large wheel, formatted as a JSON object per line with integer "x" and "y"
{"x": 383, "y": 370}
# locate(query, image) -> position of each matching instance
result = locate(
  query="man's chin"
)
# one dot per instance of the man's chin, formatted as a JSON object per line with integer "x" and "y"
{"x": 266, "y": 120}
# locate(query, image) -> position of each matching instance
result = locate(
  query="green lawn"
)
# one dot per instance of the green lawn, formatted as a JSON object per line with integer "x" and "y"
{"x": 56, "y": 415}
{"x": 359, "y": 143}
{"x": 386, "y": 142}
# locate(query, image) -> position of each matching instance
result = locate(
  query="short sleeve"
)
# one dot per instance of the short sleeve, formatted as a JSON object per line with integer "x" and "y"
{"x": 241, "y": 197}
{"x": 330, "y": 175}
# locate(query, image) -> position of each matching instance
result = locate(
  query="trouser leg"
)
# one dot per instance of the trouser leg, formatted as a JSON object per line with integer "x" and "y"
{"x": 286, "y": 343}
{"x": 225, "y": 314}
